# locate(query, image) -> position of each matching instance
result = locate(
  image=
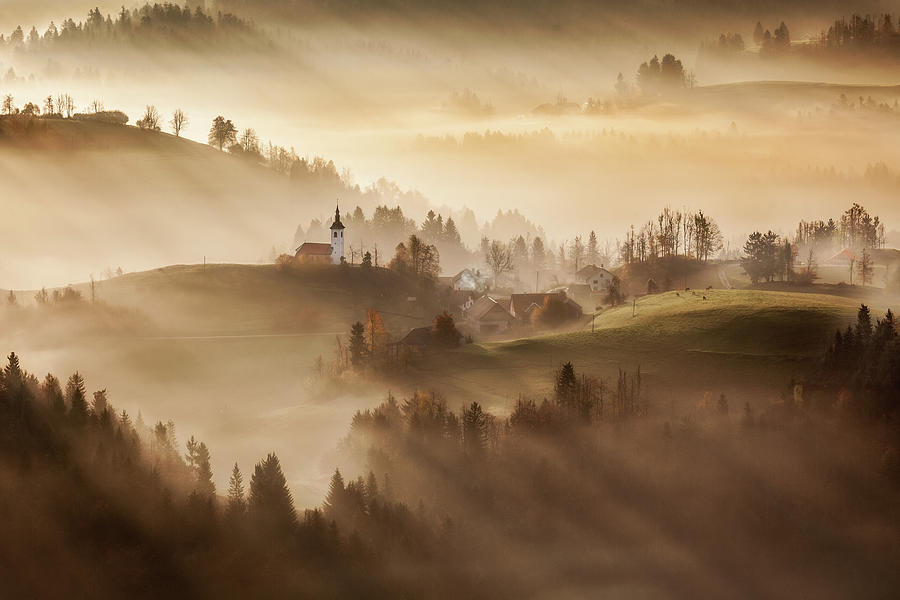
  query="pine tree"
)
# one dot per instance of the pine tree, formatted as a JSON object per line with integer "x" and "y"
{"x": 76, "y": 399}
{"x": 371, "y": 489}
{"x": 12, "y": 373}
{"x": 237, "y": 505}
{"x": 758, "y": 34}
{"x": 451, "y": 234}
{"x": 863, "y": 322}
{"x": 52, "y": 394}
{"x": 270, "y": 505}
{"x": 190, "y": 456}
{"x": 566, "y": 385}
{"x": 474, "y": 429}
{"x": 204, "y": 473}
{"x": 336, "y": 499}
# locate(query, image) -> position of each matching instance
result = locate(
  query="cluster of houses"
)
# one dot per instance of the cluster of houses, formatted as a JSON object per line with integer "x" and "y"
{"x": 489, "y": 314}
{"x": 473, "y": 311}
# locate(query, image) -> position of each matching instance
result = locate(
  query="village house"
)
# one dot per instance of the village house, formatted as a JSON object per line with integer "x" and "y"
{"x": 521, "y": 306}
{"x": 488, "y": 316}
{"x": 596, "y": 277}
{"x": 321, "y": 253}
{"x": 466, "y": 280}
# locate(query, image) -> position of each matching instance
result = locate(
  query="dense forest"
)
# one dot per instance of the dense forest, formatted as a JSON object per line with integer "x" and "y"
{"x": 592, "y": 488}
{"x": 872, "y": 37}
{"x": 149, "y": 25}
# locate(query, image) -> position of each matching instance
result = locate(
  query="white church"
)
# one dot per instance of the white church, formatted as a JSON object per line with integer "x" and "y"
{"x": 331, "y": 253}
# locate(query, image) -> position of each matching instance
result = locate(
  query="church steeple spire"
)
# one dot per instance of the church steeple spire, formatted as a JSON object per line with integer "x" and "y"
{"x": 337, "y": 219}
{"x": 337, "y": 237}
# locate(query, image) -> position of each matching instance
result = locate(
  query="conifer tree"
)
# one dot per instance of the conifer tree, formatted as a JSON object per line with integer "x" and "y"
{"x": 335, "y": 500}
{"x": 271, "y": 506}
{"x": 76, "y": 399}
{"x": 474, "y": 429}
{"x": 51, "y": 392}
{"x": 566, "y": 385}
{"x": 371, "y": 488}
{"x": 237, "y": 505}
{"x": 190, "y": 457}
{"x": 204, "y": 473}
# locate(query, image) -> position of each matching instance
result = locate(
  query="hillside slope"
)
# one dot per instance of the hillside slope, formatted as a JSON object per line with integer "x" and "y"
{"x": 84, "y": 197}
{"x": 227, "y": 299}
{"x": 745, "y": 343}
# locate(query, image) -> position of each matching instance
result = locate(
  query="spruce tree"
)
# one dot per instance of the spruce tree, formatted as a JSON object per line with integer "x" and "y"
{"x": 474, "y": 429}
{"x": 204, "y": 473}
{"x": 335, "y": 500}
{"x": 566, "y": 385}
{"x": 190, "y": 457}
{"x": 271, "y": 506}
{"x": 76, "y": 399}
{"x": 237, "y": 505}
{"x": 51, "y": 392}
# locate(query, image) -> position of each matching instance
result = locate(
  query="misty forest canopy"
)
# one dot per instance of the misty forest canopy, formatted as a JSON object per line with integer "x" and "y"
{"x": 870, "y": 36}
{"x": 148, "y": 25}
{"x": 538, "y": 14}
{"x": 432, "y": 501}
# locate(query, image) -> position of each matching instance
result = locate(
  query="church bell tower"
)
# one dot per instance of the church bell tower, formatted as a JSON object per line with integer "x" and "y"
{"x": 337, "y": 238}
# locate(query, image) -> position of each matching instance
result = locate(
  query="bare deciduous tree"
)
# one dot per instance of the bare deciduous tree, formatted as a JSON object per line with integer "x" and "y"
{"x": 499, "y": 258}
{"x": 865, "y": 267}
{"x": 150, "y": 120}
{"x": 179, "y": 122}
{"x": 249, "y": 141}
{"x": 65, "y": 105}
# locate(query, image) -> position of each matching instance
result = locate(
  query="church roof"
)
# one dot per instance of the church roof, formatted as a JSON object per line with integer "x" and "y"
{"x": 337, "y": 220}
{"x": 314, "y": 249}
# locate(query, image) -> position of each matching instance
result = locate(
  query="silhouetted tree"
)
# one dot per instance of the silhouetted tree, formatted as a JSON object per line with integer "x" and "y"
{"x": 179, "y": 122}
{"x": 499, "y": 258}
{"x": 237, "y": 505}
{"x": 222, "y": 133}
{"x": 76, "y": 399}
{"x": 474, "y": 427}
{"x": 150, "y": 120}
{"x": 760, "y": 256}
{"x": 444, "y": 331}
{"x": 271, "y": 506}
{"x": 204, "y": 473}
{"x": 865, "y": 268}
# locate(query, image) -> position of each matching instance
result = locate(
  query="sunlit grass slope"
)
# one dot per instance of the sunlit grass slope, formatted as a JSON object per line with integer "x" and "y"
{"x": 740, "y": 342}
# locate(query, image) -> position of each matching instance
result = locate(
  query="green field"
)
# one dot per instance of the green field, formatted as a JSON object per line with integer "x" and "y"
{"x": 745, "y": 343}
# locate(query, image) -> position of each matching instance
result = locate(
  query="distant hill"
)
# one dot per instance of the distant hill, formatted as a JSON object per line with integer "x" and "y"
{"x": 92, "y": 196}
{"x": 761, "y": 94}
{"x": 118, "y": 196}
